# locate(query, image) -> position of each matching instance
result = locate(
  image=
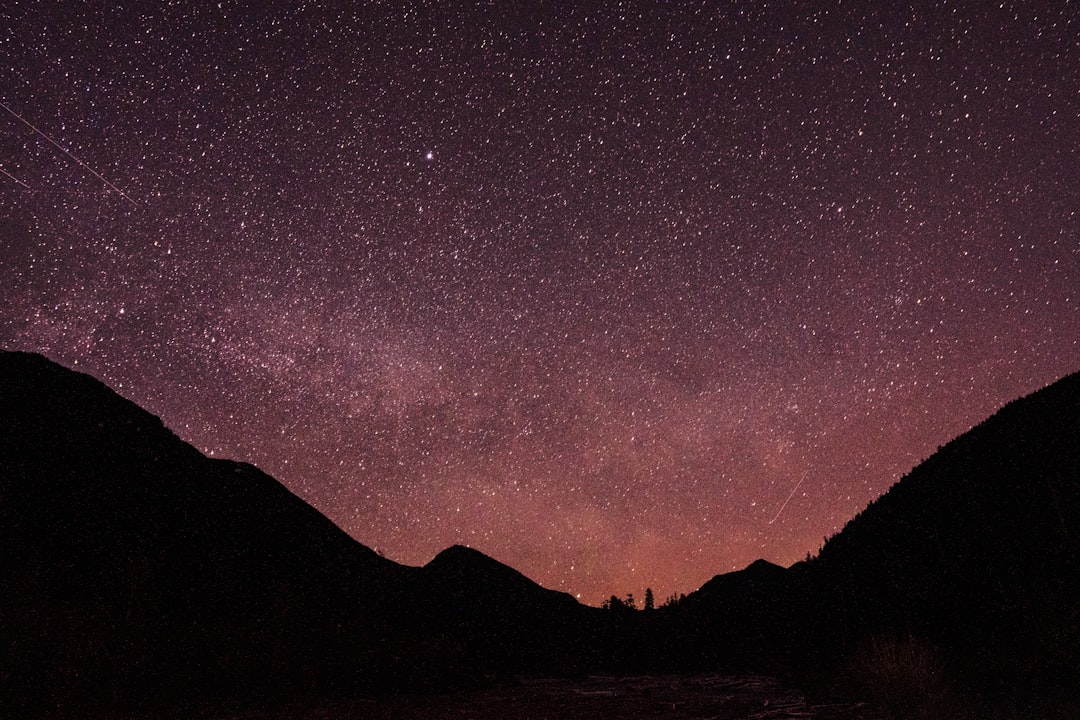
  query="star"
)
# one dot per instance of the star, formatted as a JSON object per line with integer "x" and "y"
{"x": 612, "y": 365}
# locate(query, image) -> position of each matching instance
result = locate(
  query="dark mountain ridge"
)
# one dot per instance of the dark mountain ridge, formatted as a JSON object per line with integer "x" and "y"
{"x": 460, "y": 566}
{"x": 971, "y": 536}
{"x": 759, "y": 577}
{"x": 121, "y": 540}
{"x": 976, "y": 552}
{"x": 971, "y": 561}
{"x": 135, "y": 573}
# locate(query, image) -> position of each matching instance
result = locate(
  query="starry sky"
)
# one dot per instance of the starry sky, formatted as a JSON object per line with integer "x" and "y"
{"x": 621, "y": 294}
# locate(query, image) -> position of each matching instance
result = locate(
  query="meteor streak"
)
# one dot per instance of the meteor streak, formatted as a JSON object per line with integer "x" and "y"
{"x": 64, "y": 150}
{"x": 2, "y": 170}
{"x": 784, "y": 505}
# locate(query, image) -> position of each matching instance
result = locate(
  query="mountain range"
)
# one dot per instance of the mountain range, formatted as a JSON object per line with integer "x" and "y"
{"x": 137, "y": 574}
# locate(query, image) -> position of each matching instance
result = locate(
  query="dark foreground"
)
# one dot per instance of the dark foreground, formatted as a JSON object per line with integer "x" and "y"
{"x": 712, "y": 697}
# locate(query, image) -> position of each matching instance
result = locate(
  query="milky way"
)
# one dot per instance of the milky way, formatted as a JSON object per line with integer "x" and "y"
{"x": 622, "y": 295}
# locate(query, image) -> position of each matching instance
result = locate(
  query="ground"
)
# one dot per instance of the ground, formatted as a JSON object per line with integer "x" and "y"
{"x": 704, "y": 697}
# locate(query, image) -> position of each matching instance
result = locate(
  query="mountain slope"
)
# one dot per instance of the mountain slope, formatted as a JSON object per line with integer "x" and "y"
{"x": 461, "y": 572}
{"x": 136, "y": 572}
{"x": 759, "y": 577}
{"x": 973, "y": 560}
{"x": 974, "y": 557}
{"x": 133, "y": 566}
{"x": 498, "y": 620}
{"x": 978, "y": 535}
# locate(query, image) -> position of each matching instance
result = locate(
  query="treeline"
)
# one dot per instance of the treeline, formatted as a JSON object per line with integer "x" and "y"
{"x": 617, "y": 604}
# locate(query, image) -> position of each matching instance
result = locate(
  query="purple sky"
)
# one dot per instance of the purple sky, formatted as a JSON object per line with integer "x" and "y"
{"x": 624, "y": 295}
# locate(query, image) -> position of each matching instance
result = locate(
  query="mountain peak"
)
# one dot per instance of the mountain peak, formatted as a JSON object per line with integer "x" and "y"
{"x": 462, "y": 559}
{"x": 759, "y": 577}
{"x": 459, "y": 552}
{"x": 462, "y": 570}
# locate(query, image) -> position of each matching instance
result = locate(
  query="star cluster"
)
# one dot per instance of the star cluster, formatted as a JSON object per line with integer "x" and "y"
{"x": 622, "y": 294}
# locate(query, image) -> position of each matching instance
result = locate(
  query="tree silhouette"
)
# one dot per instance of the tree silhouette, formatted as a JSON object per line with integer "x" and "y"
{"x": 613, "y": 603}
{"x": 620, "y": 605}
{"x": 673, "y": 600}
{"x": 648, "y": 599}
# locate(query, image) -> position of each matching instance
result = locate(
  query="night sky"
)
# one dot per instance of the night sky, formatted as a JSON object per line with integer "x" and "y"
{"x": 623, "y": 295}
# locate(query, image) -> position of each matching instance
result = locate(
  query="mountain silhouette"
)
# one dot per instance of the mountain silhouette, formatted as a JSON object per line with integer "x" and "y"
{"x": 971, "y": 561}
{"x": 462, "y": 571}
{"x": 135, "y": 568}
{"x": 137, "y": 574}
{"x": 135, "y": 571}
{"x": 493, "y": 620}
{"x": 757, "y": 578}
{"x": 976, "y": 551}
{"x": 467, "y": 577}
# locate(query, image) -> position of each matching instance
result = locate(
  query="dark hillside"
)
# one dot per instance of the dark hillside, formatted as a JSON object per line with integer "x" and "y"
{"x": 494, "y": 620}
{"x": 735, "y": 616}
{"x": 962, "y": 581}
{"x": 976, "y": 551}
{"x": 137, "y": 573}
{"x": 135, "y": 568}
{"x": 758, "y": 577}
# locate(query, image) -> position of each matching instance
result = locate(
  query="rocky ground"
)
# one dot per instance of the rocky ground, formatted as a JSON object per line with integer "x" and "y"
{"x": 705, "y": 697}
